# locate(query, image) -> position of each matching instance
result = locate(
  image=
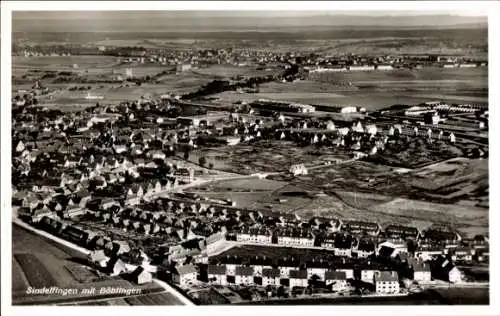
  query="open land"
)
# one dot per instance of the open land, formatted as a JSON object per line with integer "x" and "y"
{"x": 375, "y": 90}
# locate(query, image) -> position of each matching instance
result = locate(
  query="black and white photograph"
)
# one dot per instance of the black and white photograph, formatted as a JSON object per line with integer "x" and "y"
{"x": 207, "y": 156}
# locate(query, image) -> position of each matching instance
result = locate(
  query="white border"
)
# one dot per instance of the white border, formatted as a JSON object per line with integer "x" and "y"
{"x": 490, "y": 8}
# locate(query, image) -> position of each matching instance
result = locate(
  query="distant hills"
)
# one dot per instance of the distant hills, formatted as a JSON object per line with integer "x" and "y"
{"x": 218, "y": 21}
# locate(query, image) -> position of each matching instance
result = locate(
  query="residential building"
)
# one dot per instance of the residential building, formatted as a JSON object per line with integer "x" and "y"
{"x": 298, "y": 278}
{"x": 244, "y": 275}
{"x": 141, "y": 276}
{"x": 337, "y": 279}
{"x": 442, "y": 268}
{"x": 386, "y": 282}
{"x": 270, "y": 277}
{"x": 217, "y": 274}
{"x": 185, "y": 275}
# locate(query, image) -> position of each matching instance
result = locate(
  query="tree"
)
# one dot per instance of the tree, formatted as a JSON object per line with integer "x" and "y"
{"x": 202, "y": 161}
{"x": 210, "y": 165}
{"x": 186, "y": 155}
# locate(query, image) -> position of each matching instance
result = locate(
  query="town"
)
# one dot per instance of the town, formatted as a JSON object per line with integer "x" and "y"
{"x": 230, "y": 192}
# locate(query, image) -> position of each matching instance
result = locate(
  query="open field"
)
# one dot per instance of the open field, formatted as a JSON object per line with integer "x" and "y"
{"x": 60, "y": 63}
{"x": 156, "y": 299}
{"x": 246, "y": 185}
{"x": 262, "y": 156}
{"x": 376, "y": 192}
{"x": 377, "y": 89}
{"x": 229, "y": 71}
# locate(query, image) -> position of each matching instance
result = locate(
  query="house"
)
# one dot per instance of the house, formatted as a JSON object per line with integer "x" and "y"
{"x": 337, "y": 279}
{"x": 141, "y": 276}
{"x": 386, "y": 282}
{"x": 295, "y": 237}
{"x": 270, "y": 276}
{"x": 368, "y": 274}
{"x": 286, "y": 265}
{"x": 30, "y": 201}
{"x": 260, "y": 263}
{"x": 115, "y": 267}
{"x": 343, "y": 245}
{"x": 254, "y": 235}
{"x": 84, "y": 197}
{"x": 358, "y": 227}
{"x": 243, "y": 275}
{"x": 298, "y": 278}
{"x": 98, "y": 258}
{"x": 442, "y": 268}
{"x": 462, "y": 253}
{"x": 75, "y": 235}
{"x": 40, "y": 213}
{"x": 317, "y": 268}
{"x": 74, "y": 210}
{"x": 185, "y": 275}
{"x": 365, "y": 248}
{"x": 421, "y": 271}
{"x": 400, "y": 231}
{"x": 217, "y": 274}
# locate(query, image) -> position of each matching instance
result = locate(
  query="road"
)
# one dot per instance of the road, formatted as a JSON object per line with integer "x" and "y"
{"x": 199, "y": 182}
{"x": 84, "y": 251}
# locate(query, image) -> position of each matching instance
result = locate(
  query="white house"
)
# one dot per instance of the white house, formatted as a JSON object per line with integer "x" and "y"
{"x": 298, "y": 278}
{"x": 184, "y": 275}
{"x": 217, "y": 274}
{"x": 337, "y": 279}
{"x": 270, "y": 277}
{"x": 386, "y": 282}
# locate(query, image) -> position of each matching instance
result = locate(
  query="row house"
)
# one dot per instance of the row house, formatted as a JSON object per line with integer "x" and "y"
{"x": 343, "y": 245}
{"x": 386, "y": 282}
{"x": 298, "y": 278}
{"x": 337, "y": 280}
{"x": 271, "y": 276}
{"x": 318, "y": 268}
{"x": 400, "y": 231}
{"x": 287, "y": 265}
{"x": 254, "y": 235}
{"x": 214, "y": 240}
{"x": 261, "y": 263}
{"x": 359, "y": 227}
{"x": 365, "y": 248}
{"x": 243, "y": 275}
{"x": 231, "y": 263}
{"x": 295, "y": 238}
{"x": 217, "y": 274}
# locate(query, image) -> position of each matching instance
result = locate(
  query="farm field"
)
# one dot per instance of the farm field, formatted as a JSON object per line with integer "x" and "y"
{"x": 376, "y": 90}
{"x": 229, "y": 71}
{"x": 157, "y": 299}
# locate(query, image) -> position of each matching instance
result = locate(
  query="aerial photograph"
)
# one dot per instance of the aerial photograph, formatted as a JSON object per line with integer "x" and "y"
{"x": 249, "y": 158}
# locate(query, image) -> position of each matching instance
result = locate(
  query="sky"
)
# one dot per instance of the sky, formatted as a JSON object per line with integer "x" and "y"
{"x": 171, "y": 21}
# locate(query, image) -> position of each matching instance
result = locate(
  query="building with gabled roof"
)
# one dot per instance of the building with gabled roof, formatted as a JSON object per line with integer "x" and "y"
{"x": 386, "y": 282}
{"x": 185, "y": 275}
